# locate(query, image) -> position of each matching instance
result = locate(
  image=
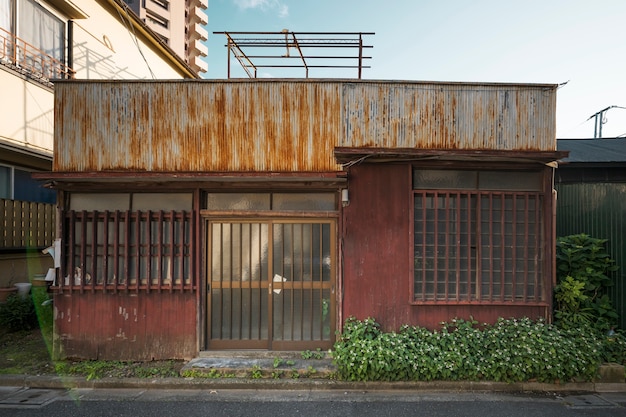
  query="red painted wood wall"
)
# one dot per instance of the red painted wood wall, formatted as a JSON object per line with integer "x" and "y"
{"x": 377, "y": 256}
{"x": 126, "y": 326}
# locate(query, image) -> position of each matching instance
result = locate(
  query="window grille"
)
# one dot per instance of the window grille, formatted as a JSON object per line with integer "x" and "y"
{"x": 128, "y": 250}
{"x": 473, "y": 245}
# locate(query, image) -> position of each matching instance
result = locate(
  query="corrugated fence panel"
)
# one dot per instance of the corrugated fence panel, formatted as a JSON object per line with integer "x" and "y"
{"x": 286, "y": 126}
{"x": 598, "y": 210}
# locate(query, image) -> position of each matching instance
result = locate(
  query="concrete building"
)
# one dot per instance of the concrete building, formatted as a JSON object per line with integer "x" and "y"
{"x": 180, "y": 24}
{"x": 40, "y": 42}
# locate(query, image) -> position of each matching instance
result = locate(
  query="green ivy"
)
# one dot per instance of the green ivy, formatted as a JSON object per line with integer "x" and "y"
{"x": 510, "y": 350}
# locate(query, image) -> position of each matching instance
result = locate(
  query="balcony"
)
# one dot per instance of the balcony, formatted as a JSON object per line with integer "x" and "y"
{"x": 201, "y": 32}
{"x": 29, "y": 60}
{"x": 200, "y": 64}
{"x": 201, "y": 48}
{"x": 200, "y": 15}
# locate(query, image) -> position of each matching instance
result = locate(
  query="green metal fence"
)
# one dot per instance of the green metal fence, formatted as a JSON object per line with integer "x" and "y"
{"x": 598, "y": 210}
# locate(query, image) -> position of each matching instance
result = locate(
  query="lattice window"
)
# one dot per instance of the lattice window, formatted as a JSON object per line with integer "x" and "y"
{"x": 114, "y": 250}
{"x": 474, "y": 245}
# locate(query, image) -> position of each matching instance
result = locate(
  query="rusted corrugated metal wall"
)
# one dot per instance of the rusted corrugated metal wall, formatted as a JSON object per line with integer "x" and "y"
{"x": 283, "y": 126}
{"x": 449, "y": 116}
{"x": 598, "y": 210}
{"x": 196, "y": 126}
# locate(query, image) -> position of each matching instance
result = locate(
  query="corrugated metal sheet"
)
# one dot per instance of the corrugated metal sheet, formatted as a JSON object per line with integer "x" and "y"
{"x": 598, "y": 210}
{"x": 282, "y": 125}
{"x": 450, "y": 116}
{"x": 196, "y": 126}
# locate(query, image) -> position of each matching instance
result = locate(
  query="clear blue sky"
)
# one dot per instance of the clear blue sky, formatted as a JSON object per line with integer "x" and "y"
{"x": 579, "y": 42}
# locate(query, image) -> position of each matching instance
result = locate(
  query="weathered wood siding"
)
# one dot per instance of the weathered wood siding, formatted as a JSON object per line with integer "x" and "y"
{"x": 125, "y": 326}
{"x": 286, "y": 125}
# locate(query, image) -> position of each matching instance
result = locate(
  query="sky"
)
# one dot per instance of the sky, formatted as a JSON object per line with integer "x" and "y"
{"x": 577, "y": 44}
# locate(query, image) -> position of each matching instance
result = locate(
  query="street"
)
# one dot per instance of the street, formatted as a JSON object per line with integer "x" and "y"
{"x": 16, "y": 402}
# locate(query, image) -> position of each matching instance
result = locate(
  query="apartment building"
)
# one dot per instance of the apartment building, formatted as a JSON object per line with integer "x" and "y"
{"x": 180, "y": 24}
{"x": 41, "y": 42}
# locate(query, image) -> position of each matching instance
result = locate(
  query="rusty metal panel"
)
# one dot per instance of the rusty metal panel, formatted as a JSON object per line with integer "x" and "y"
{"x": 125, "y": 326}
{"x": 450, "y": 116}
{"x": 196, "y": 126}
{"x": 378, "y": 260}
{"x": 286, "y": 125}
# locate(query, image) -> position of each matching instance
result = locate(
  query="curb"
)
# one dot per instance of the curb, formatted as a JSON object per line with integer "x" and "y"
{"x": 58, "y": 382}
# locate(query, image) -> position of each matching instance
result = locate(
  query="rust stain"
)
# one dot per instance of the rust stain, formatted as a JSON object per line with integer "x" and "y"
{"x": 284, "y": 125}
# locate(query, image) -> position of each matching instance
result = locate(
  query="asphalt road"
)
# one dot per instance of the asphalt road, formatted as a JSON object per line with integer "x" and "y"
{"x": 17, "y": 402}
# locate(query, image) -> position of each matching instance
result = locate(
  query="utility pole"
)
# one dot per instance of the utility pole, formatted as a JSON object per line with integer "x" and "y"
{"x": 600, "y": 120}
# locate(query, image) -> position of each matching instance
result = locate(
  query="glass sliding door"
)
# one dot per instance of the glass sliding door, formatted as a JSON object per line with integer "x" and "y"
{"x": 271, "y": 284}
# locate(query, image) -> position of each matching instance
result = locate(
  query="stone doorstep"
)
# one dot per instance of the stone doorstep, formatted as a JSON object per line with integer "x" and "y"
{"x": 258, "y": 354}
{"x": 611, "y": 372}
{"x": 272, "y": 365}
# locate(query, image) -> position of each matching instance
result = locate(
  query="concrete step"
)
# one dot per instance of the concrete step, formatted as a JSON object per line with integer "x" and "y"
{"x": 264, "y": 354}
{"x": 246, "y": 365}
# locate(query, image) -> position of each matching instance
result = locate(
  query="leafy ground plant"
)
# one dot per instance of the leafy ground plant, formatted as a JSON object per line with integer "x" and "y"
{"x": 584, "y": 270}
{"x": 510, "y": 350}
{"x": 18, "y": 313}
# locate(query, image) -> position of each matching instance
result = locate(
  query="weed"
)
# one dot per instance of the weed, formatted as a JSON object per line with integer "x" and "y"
{"x": 310, "y": 371}
{"x": 317, "y": 354}
{"x": 256, "y": 372}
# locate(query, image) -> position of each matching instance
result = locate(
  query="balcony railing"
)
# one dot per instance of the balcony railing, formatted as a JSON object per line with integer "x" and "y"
{"x": 29, "y": 60}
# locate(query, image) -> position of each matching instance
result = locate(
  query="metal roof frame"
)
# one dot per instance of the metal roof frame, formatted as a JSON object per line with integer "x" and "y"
{"x": 306, "y": 44}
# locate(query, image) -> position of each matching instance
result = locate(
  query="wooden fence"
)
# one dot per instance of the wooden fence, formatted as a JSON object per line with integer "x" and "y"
{"x": 25, "y": 224}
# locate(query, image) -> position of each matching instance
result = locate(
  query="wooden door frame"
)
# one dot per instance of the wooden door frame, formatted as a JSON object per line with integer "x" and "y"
{"x": 271, "y": 218}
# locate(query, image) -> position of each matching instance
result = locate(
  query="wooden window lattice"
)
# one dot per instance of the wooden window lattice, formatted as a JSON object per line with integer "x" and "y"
{"x": 478, "y": 246}
{"x": 128, "y": 250}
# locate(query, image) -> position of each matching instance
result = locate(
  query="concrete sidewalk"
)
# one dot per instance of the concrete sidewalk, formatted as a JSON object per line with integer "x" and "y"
{"x": 62, "y": 382}
{"x": 259, "y": 370}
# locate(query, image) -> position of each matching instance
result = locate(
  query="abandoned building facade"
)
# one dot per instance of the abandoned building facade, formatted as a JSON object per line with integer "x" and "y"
{"x": 260, "y": 214}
